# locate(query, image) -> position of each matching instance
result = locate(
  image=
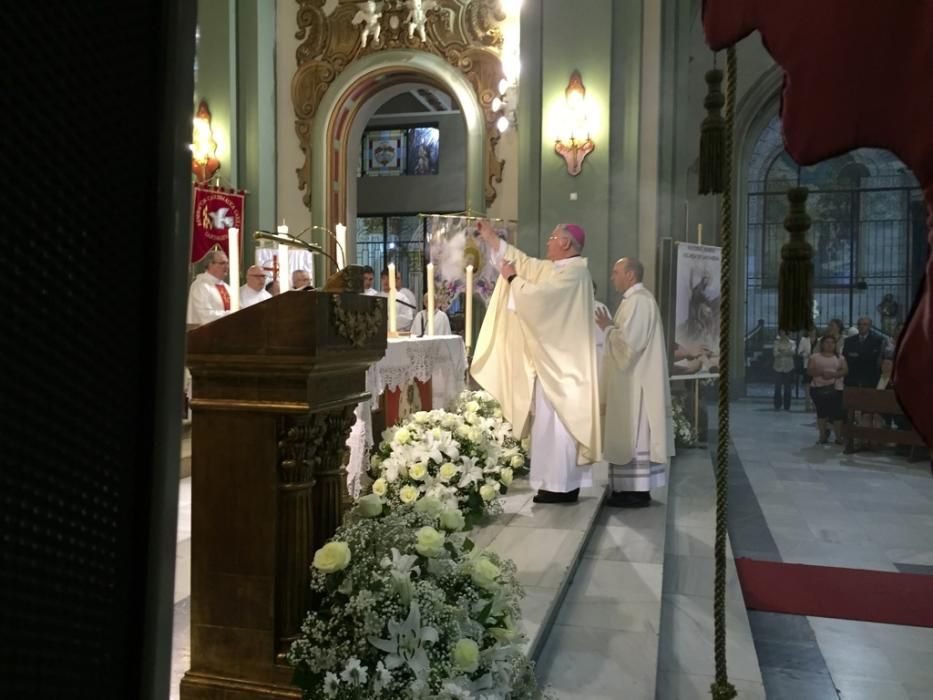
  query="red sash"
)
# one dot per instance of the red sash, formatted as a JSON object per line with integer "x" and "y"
{"x": 224, "y": 296}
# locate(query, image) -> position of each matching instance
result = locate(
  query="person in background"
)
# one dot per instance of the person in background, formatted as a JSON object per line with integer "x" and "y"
{"x": 807, "y": 346}
{"x": 835, "y": 329}
{"x": 254, "y": 291}
{"x": 784, "y": 351}
{"x": 301, "y": 280}
{"x": 827, "y": 370}
{"x": 369, "y": 279}
{"x": 419, "y": 327}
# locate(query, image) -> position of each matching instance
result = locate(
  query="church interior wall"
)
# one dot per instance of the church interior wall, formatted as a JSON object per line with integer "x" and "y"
{"x": 411, "y": 194}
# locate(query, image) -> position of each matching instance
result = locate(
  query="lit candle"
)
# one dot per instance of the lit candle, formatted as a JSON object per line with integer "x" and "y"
{"x": 285, "y": 280}
{"x": 430, "y": 299}
{"x": 392, "y": 292}
{"x": 341, "y": 246}
{"x": 468, "y": 330}
{"x": 233, "y": 249}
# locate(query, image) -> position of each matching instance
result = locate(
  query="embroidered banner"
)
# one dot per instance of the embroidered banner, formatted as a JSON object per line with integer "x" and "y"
{"x": 215, "y": 211}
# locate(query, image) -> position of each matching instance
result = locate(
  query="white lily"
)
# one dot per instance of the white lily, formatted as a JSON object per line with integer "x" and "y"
{"x": 405, "y": 643}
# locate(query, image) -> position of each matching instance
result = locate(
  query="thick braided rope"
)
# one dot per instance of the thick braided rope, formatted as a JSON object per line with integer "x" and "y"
{"x": 721, "y": 688}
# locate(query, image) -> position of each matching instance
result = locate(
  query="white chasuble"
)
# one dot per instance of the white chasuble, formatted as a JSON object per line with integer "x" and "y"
{"x": 547, "y": 341}
{"x": 636, "y": 393}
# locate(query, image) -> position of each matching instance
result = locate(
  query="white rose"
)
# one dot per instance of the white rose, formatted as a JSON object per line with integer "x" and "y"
{"x": 466, "y": 655}
{"x": 418, "y": 471}
{"x": 484, "y": 574}
{"x": 422, "y": 417}
{"x": 332, "y": 557}
{"x": 380, "y": 486}
{"x": 452, "y": 520}
{"x": 447, "y": 471}
{"x": 475, "y": 434}
{"x": 517, "y": 461}
{"x": 463, "y": 431}
{"x": 472, "y": 406}
{"x": 408, "y": 494}
{"x": 402, "y": 436}
{"x": 505, "y": 476}
{"x": 429, "y": 505}
{"x": 429, "y": 542}
{"x": 370, "y": 506}
{"x": 488, "y": 491}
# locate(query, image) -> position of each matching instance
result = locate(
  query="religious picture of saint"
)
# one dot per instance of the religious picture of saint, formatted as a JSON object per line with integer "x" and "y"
{"x": 423, "y": 150}
{"x": 697, "y": 298}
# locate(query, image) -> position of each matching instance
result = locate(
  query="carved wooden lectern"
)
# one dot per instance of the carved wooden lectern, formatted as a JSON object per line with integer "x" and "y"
{"x": 274, "y": 386}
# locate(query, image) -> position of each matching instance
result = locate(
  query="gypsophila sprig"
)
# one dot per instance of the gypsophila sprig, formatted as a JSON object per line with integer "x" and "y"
{"x": 405, "y": 609}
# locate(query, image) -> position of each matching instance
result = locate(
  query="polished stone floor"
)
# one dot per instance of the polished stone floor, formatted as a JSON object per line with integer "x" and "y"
{"x": 795, "y": 501}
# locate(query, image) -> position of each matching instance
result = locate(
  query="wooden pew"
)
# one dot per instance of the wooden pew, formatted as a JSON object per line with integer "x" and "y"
{"x": 876, "y": 401}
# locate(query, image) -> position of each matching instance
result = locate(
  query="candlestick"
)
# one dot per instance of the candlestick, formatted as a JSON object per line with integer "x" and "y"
{"x": 233, "y": 255}
{"x": 341, "y": 246}
{"x": 393, "y": 327}
{"x": 430, "y": 271}
{"x": 468, "y": 321}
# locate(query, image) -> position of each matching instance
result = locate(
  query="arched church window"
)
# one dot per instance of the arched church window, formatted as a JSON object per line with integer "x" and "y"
{"x": 867, "y": 214}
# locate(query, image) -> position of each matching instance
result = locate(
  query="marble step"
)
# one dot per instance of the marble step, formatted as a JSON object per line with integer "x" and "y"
{"x": 546, "y": 542}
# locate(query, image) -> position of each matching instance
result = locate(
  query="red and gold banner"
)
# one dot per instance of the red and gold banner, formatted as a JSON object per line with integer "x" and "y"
{"x": 215, "y": 211}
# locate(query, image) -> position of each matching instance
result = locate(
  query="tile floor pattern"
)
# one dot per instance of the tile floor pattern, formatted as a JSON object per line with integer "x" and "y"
{"x": 796, "y": 501}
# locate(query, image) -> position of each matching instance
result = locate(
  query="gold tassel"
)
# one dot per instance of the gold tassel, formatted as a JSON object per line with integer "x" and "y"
{"x": 713, "y": 137}
{"x": 795, "y": 279}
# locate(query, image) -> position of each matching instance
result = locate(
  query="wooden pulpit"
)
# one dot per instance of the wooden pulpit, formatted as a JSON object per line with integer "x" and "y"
{"x": 274, "y": 389}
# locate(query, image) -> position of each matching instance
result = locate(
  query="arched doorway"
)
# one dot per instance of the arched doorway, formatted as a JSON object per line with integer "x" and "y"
{"x": 346, "y": 107}
{"x": 867, "y": 210}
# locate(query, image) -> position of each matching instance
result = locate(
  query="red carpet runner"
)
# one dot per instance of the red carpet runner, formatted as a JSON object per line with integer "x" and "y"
{"x": 826, "y": 591}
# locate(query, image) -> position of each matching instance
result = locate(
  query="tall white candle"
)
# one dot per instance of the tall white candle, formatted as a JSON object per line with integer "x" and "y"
{"x": 233, "y": 250}
{"x": 341, "y": 246}
{"x": 393, "y": 326}
{"x": 700, "y": 234}
{"x": 285, "y": 278}
{"x": 430, "y": 311}
{"x": 468, "y": 321}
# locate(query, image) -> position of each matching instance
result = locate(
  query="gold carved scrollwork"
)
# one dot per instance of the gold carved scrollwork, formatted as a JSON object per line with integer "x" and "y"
{"x": 358, "y": 326}
{"x": 465, "y": 34}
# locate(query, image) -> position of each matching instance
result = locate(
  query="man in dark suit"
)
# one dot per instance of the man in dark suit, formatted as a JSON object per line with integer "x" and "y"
{"x": 863, "y": 355}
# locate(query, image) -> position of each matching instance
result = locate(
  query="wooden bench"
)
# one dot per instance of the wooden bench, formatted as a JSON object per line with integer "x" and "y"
{"x": 876, "y": 401}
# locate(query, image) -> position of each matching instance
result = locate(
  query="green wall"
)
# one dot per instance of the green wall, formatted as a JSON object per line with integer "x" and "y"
{"x": 236, "y": 76}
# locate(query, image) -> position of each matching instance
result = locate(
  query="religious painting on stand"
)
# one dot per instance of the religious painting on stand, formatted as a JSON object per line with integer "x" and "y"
{"x": 696, "y": 311}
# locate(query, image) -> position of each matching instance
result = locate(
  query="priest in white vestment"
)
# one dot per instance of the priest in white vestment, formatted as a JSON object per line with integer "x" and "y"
{"x": 536, "y": 354}
{"x": 254, "y": 291}
{"x": 636, "y": 392}
{"x": 405, "y": 304}
{"x": 369, "y": 278}
{"x": 209, "y": 295}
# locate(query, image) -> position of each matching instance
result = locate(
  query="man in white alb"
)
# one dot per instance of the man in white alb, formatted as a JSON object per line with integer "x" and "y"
{"x": 419, "y": 327}
{"x": 636, "y": 393}
{"x": 537, "y": 347}
{"x": 405, "y": 304}
{"x": 254, "y": 291}
{"x": 209, "y": 295}
{"x": 300, "y": 280}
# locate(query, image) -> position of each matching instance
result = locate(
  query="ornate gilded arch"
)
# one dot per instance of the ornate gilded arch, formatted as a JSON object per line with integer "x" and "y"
{"x": 464, "y": 34}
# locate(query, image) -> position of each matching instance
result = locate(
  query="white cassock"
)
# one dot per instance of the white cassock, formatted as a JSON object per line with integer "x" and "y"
{"x": 639, "y": 436}
{"x": 205, "y": 300}
{"x": 537, "y": 349}
{"x": 371, "y": 292}
{"x": 249, "y": 296}
{"x": 419, "y": 327}
{"x": 404, "y": 307}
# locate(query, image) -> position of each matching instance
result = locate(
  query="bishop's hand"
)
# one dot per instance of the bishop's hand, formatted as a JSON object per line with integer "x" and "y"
{"x": 603, "y": 320}
{"x": 507, "y": 269}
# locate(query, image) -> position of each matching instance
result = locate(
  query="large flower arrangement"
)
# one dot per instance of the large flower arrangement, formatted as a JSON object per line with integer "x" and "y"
{"x": 406, "y": 610}
{"x": 479, "y": 407}
{"x": 451, "y": 457}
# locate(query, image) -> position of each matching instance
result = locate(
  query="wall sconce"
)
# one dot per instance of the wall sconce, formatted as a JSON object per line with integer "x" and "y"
{"x": 574, "y": 144}
{"x": 203, "y": 146}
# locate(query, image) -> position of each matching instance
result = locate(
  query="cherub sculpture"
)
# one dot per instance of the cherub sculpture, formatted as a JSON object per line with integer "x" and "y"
{"x": 418, "y": 15}
{"x": 369, "y": 16}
